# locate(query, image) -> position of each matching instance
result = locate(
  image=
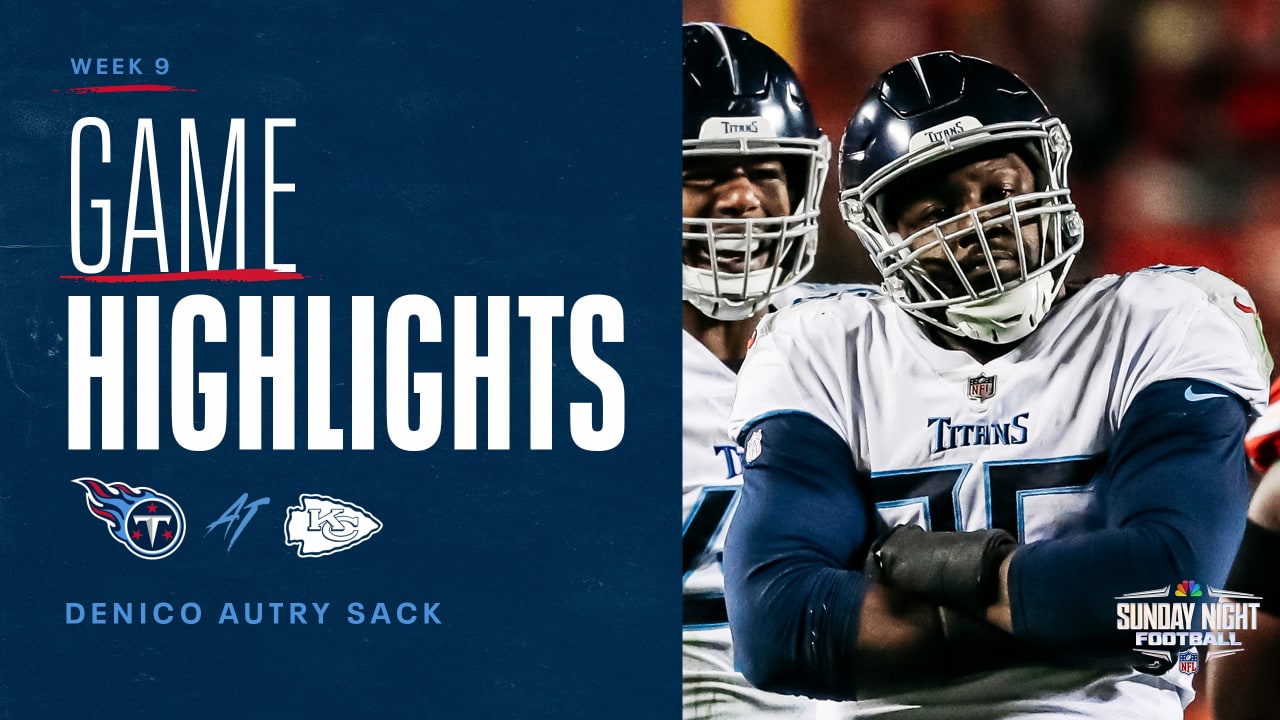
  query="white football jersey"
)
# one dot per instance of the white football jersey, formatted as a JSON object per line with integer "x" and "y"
{"x": 950, "y": 443}
{"x": 712, "y": 480}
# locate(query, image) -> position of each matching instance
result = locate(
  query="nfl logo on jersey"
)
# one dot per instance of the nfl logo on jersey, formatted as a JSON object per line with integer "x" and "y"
{"x": 982, "y": 387}
{"x": 1189, "y": 661}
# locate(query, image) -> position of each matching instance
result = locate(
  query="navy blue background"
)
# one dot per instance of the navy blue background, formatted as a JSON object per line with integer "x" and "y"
{"x": 489, "y": 148}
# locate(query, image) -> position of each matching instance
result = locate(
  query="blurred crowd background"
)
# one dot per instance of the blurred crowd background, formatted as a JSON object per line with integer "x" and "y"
{"x": 1173, "y": 106}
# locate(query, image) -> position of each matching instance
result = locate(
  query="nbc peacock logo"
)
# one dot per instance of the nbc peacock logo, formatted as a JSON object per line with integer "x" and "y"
{"x": 1188, "y": 588}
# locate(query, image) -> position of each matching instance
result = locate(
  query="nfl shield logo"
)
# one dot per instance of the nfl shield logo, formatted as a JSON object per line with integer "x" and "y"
{"x": 1189, "y": 661}
{"x": 982, "y": 387}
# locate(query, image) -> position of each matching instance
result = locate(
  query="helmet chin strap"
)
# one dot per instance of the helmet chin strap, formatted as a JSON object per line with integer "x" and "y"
{"x": 1007, "y": 317}
{"x": 719, "y": 309}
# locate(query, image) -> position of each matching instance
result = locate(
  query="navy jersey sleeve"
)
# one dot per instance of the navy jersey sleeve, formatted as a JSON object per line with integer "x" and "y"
{"x": 793, "y": 556}
{"x": 1174, "y": 492}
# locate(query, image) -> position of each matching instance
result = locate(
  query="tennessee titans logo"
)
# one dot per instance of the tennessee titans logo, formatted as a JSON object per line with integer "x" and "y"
{"x": 149, "y": 524}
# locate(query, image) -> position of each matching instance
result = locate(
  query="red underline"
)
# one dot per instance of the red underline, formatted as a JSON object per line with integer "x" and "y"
{"x": 124, "y": 88}
{"x": 242, "y": 275}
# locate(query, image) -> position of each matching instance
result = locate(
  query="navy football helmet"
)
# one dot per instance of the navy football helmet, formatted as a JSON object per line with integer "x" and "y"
{"x": 938, "y": 106}
{"x": 742, "y": 99}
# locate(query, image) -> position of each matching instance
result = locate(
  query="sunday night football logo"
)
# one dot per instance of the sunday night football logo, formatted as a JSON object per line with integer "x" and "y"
{"x": 1172, "y": 621}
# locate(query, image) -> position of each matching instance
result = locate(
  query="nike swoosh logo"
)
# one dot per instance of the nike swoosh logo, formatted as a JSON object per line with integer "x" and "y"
{"x": 1193, "y": 396}
{"x": 1242, "y": 306}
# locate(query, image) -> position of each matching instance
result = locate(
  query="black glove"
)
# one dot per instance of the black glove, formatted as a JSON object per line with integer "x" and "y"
{"x": 956, "y": 569}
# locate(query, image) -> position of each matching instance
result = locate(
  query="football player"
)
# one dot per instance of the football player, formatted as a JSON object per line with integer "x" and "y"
{"x": 1243, "y": 686}
{"x": 754, "y": 166}
{"x": 1020, "y": 450}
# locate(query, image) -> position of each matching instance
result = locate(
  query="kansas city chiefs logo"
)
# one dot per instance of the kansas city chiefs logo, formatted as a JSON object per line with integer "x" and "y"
{"x": 320, "y": 525}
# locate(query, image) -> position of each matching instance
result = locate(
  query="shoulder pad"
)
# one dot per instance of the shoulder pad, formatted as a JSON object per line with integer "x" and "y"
{"x": 804, "y": 292}
{"x": 1229, "y": 297}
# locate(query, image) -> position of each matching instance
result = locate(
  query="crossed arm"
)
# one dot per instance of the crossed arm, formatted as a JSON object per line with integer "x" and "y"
{"x": 808, "y": 619}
